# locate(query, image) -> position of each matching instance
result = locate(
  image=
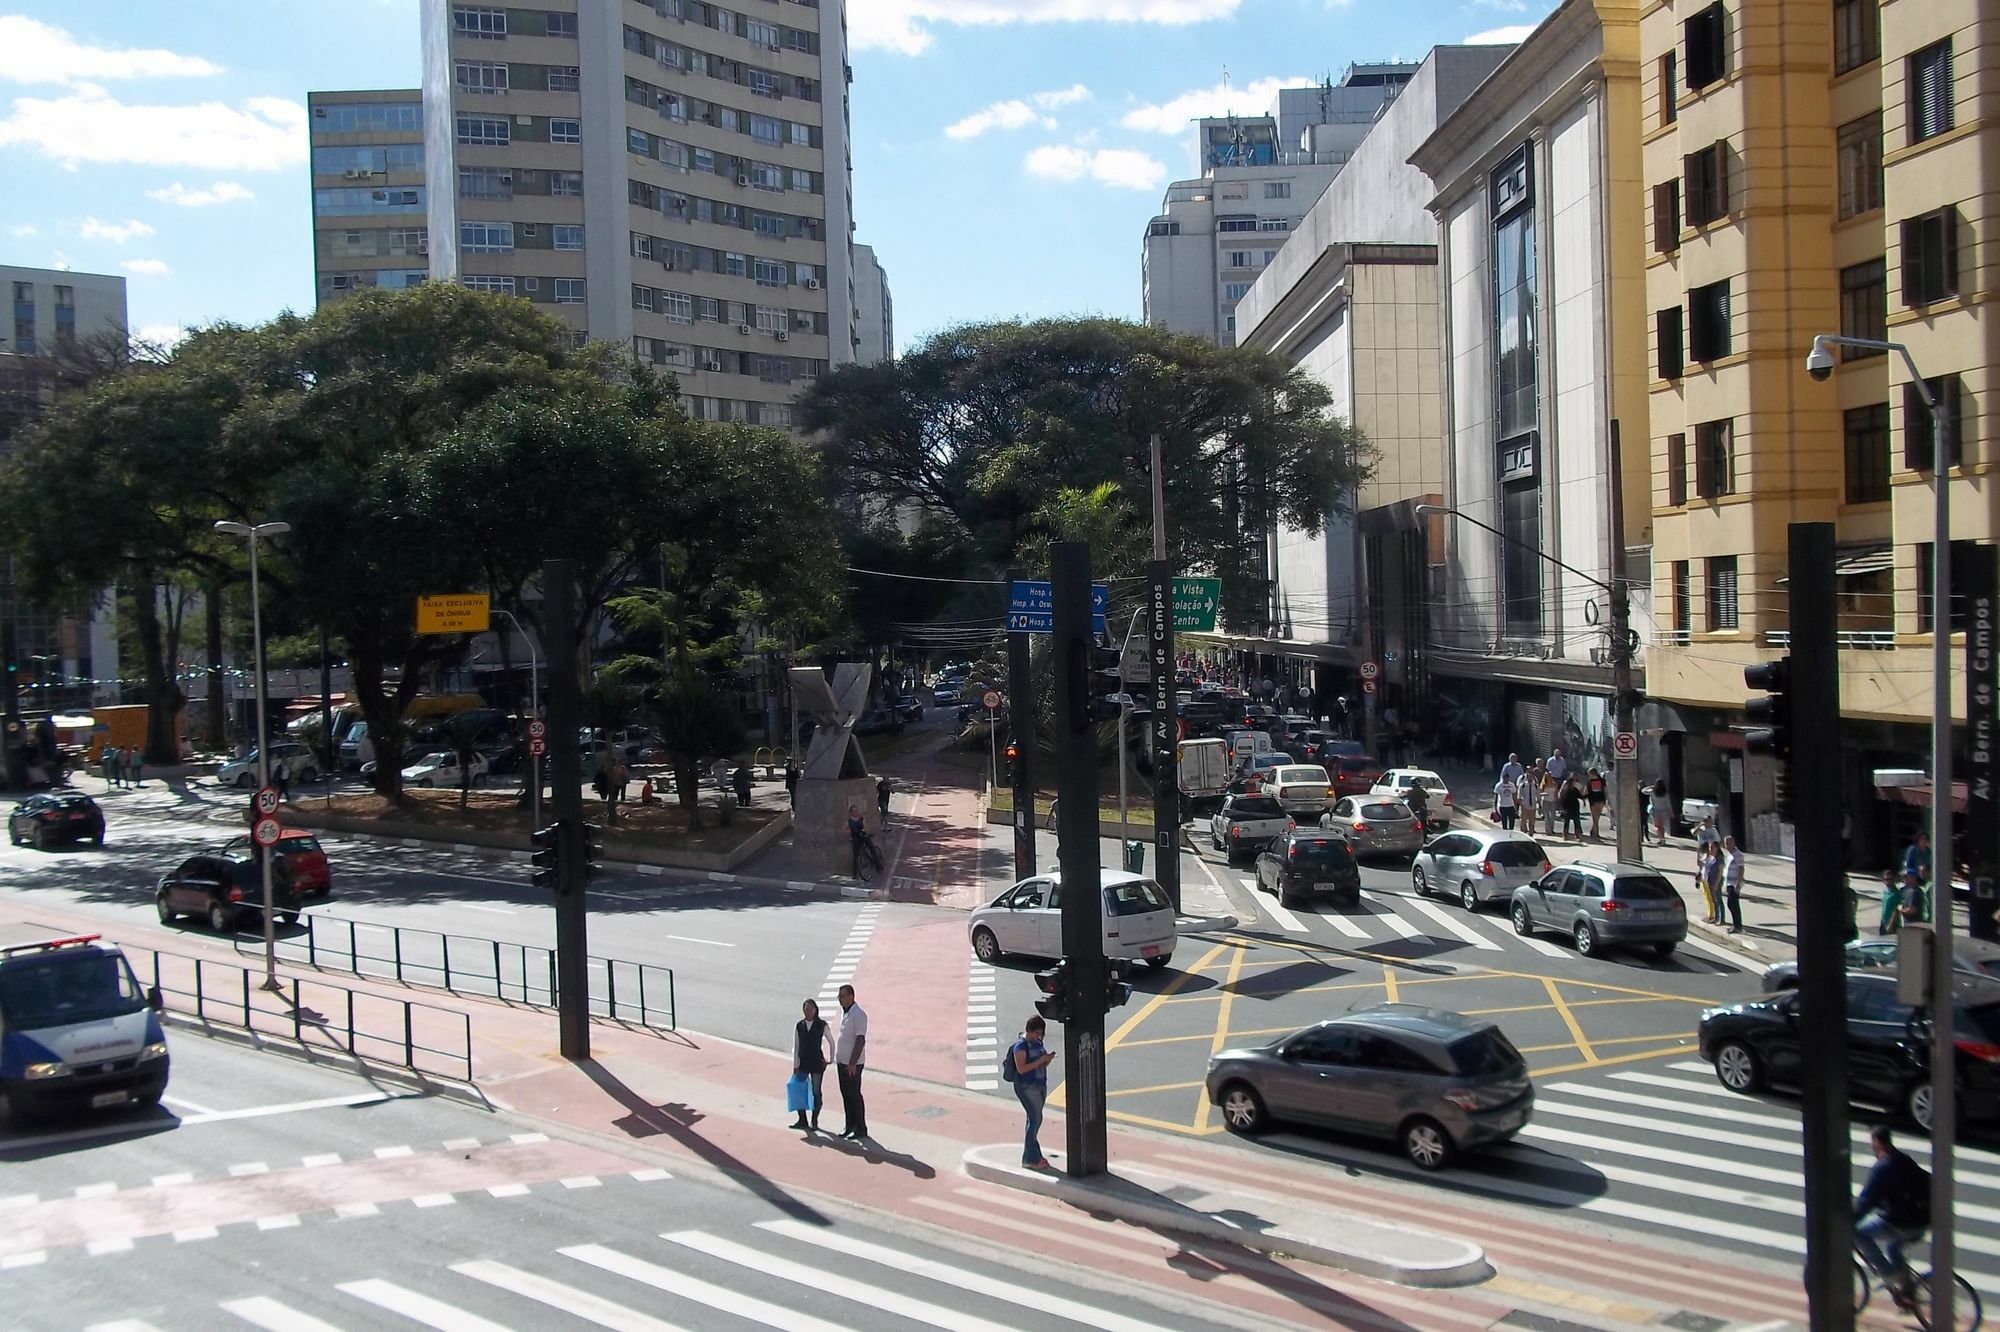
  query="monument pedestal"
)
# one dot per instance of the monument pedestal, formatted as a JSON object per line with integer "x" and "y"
{"x": 819, "y": 822}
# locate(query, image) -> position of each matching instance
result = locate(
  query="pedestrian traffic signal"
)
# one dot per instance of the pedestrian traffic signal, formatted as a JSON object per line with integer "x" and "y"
{"x": 588, "y": 849}
{"x": 1771, "y": 715}
{"x": 1054, "y": 985}
{"x": 1117, "y": 990}
{"x": 547, "y": 857}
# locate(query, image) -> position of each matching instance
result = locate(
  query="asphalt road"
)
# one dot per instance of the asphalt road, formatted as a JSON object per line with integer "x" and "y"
{"x": 299, "y": 1199}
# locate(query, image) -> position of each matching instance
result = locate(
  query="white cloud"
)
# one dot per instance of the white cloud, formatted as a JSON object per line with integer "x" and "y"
{"x": 1008, "y": 115}
{"x": 163, "y": 336}
{"x": 1223, "y": 99}
{"x": 146, "y": 267}
{"x": 1076, "y": 92}
{"x": 1123, "y": 168}
{"x": 115, "y": 232}
{"x": 1507, "y": 36}
{"x": 32, "y": 52}
{"x": 25, "y": 230}
{"x": 90, "y": 125}
{"x": 902, "y": 26}
{"x": 223, "y": 191}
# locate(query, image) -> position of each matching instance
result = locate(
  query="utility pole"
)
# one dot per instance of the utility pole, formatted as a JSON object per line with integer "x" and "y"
{"x": 1944, "y": 1048}
{"x": 11, "y": 778}
{"x": 1365, "y": 623}
{"x": 1627, "y": 810}
{"x": 1077, "y": 853}
{"x": 1166, "y": 730}
{"x": 566, "y": 803}
{"x": 1981, "y": 580}
{"x": 1021, "y": 715}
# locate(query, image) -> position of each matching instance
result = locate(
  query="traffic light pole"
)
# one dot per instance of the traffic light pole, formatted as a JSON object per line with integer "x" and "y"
{"x": 1166, "y": 700}
{"x": 1021, "y": 716}
{"x": 566, "y": 803}
{"x": 1077, "y": 854}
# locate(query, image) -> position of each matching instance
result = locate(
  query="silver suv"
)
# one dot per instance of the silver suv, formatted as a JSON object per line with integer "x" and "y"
{"x": 1436, "y": 1082}
{"x": 1603, "y": 906}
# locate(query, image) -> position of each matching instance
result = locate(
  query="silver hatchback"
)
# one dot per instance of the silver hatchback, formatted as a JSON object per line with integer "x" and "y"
{"x": 1480, "y": 866}
{"x": 1376, "y": 825}
{"x": 1436, "y": 1082}
{"x": 1603, "y": 906}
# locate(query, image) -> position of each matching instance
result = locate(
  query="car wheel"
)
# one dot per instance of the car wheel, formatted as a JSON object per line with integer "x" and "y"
{"x": 1426, "y": 1144}
{"x": 41, "y": 838}
{"x": 97, "y": 840}
{"x": 309, "y": 775}
{"x": 10, "y": 1115}
{"x": 1420, "y": 881}
{"x": 1468, "y": 896}
{"x": 1917, "y": 1102}
{"x": 1738, "y": 1068}
{"x": 1524, "y": 923}
{"x": 479, "y": 779}
{"x": 1586, "y": 939}
{"x": 1243, "y": 1109}
{"x": 984, "y": 946}
{"x": 167, "y": 913}
{"x": 218, "y": 918}
{"x": 12, "y": 836}
{"x": 245, "y": 780}
{"x": 1159, "y": 963}
{"x": 1665, "y": 949}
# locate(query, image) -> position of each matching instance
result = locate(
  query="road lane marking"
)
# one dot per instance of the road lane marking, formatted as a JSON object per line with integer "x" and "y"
{"x": 1736, "y": 961}
{"x": 833, "y": 1283}
{"x": 491, "y": 910}
{"x": 701, "y": 1292}
{"x": 1381, "y": 911}
{"x": 1283, "y": 915}
{"x": 712, "y": 943}
{"x": 1453, "y": 924}
{"x": 265, "y": 1312}
{"x": 1569, "y": 1020}
{"x": 188, "y": 1106}
{"x": 580, "y": 1303}
{"x": 435, "y": 1314}
{"x": 1665, "y": 1053}
{"x": 1221, "y": 1040}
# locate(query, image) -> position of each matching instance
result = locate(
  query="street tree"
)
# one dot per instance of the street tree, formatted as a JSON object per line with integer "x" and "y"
{"x": 610, "y": 706}
{"x": 461, "y": 732}
{"x": 698, "y": 722}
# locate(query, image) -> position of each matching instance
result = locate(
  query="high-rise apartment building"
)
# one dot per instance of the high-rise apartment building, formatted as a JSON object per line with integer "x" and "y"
{"x": 1258, "y": 175}
{"x": 370, "y": 223}
{"x": 1814, "y": 166}
{"x": 874, "y": 307}
{"x": 673, "y": 174}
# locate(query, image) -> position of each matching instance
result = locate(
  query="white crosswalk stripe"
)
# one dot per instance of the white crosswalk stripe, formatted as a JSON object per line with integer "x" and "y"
{"x": 701, "y": 1292}
{"x": 1452, "y": 924}
{"x": 418, "y": 1308}
{"x": 981, "y": 1062}
{"x": 591, "y": 1308}
{"x": 265, "y": 1312}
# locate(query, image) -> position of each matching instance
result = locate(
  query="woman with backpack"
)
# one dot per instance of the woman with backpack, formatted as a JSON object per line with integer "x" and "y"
{"x": 1027, "y": 1067}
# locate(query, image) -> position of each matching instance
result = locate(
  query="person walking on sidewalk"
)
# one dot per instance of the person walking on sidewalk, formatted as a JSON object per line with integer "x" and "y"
{"x": 1570, "y": 801}
{"x": 1917, "y": 860}
{"x": 812, "y": 1050}
{"x": 850, "y": 1050}
{"x": 1662, "y": 815}
{"x": 112, "y": 771}
{"x": 1503, "y": 802}
{"x": 135, "y": 764}
{"x": 1031, "y": 1059}
{"x": 1594, "y": 790}
{"x": 1706, "y": 834}
{"x": 1892, "y": 902}
{"x": 1511, "y": 770}
{"x": 1557, "y": 765}
{"x": 1708, "y": 878}
{"x": 1527, "y": 794}
{"x": 882, "y": 797}
{"x": 1732, "y": 883}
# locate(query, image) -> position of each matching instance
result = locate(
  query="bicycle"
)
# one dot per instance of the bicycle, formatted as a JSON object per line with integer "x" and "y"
{"x": 867, "y": 860}
{"x": 1966, "y": 1310}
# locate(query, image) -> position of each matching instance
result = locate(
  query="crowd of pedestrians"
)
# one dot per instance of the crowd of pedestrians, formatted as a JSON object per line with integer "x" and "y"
{"x": 1550, "y": 796}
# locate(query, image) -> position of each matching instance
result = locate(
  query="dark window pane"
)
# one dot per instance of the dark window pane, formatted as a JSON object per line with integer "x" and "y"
{"x": 1930, "y": 91}
{"x": 1864, "y": 306}
{"x": 1683, "y": 597}
{"x": 1919, "y": 447}
{"x": 1670, "y": 89}
{"x": 1961, "y": 556}
{"x": 1857, "y": 34}
{"x": 1865, "y": 432}
{"x": 1714, "y": 461}
{"x": 1677, "y": 469}
{"x": 1706, "y": 37}
{"x": 1860, "y": 160}
{"x": 1667, "y": 217}
{"x": 1667, "y": 332}
{"x": 1930, "y": 257}
{"x": 1521, "y": 520}
{"x": 1722, "y": 604}
{"x": 1708, "y": 322}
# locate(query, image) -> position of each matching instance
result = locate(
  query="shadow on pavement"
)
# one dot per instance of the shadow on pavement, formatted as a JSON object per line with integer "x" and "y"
{"x": 872, "y": 1152}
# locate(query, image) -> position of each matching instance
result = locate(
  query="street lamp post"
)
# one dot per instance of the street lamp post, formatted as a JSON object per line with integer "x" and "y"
{"x": 1629, "y": 813}
{"x": 1944, "y": 1051}
{"x": 534, "y": 712}
{"x": 251, "y": 533}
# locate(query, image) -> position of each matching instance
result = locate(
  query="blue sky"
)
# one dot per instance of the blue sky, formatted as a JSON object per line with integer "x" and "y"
{"x": 1007, "y": 153}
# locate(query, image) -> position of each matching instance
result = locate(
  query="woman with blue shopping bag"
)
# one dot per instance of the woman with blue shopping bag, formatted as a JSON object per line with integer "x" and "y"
{"x": 812, "y": 1051}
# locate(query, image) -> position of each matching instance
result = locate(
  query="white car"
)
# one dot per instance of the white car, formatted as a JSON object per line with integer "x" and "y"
{"x": 1398, "y": 781}
{"x": 1027, "y": 919}
{"x": 1302, "y": 788}
{"x": 1479, "y": 867}
{"x": 298, "y": 761}
{"x": 442, "y": 770}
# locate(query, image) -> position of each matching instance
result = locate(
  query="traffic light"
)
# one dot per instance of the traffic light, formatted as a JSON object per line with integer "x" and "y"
{"x": 1054, "y": 985}
{"x": 1012, "y": 754}
{"x": 1117, "y": 989}
{"x": 547, "y": 857}
{"x": 588, "y": 849}
{"x": 1771, "y": 714}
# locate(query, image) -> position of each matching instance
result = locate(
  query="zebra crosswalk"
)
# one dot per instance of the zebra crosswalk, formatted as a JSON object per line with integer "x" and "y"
{"x": 780, "y": 1273}
{"x": 1671, "y": 1150}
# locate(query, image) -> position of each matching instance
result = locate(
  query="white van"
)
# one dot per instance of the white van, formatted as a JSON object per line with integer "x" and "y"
{"x": 1204, "y": 769}
{"x": 76, "y": 1031}
{"x": 356, "y": 749}
{"x": 1246, "y": 745}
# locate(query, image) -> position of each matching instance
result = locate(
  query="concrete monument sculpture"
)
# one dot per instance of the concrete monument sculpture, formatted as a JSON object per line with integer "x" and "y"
{"x": 835, "y": 776}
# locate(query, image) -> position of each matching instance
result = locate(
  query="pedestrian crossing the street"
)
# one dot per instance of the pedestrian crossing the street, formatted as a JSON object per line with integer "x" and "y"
{"x": 1385, "y": 918}
{"x": 778, "y": 1274}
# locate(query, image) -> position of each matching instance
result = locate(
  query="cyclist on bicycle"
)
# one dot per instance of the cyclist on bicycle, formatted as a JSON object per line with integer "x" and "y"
{"x": 1893, "y": 1209}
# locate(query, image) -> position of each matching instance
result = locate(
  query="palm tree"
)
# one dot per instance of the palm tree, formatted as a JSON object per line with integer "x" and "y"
{"x": 609, "y": 706}
{"x": 1100, "y": 517}
{"x": 697, "y": 723}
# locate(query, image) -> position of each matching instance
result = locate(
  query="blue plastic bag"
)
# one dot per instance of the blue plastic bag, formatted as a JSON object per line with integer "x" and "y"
{"x": 798, "y": 1094}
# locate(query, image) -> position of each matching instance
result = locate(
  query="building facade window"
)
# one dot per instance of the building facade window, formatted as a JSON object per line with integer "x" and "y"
{"x": 566, "y": 184}
{"x": 485, "y": 131}
{"x": 565, "y": 78}
{"x": 1706, "y": 177}
{"x": 569, "y": 291}
{"x": 1683, "y": 611}
{"x": 502, "y": 286}
{"x": 467, "y": 21}
{"x": 1714, "y": 459}
{"x": 478, "y": 76}
{"x": 1670, "y": 88}
{"x": 642, "y": 297}
{"x": 1930, "y": 257}
{"x": 1234, "y": 291}
{"x": 565, "y": 130}
{"x": 1864, "y": 307}
{"x": 1865, "y": 445}
{"x": 1708, "y": 322}
{"x": 1857, "y": 34}
{"x": 567, "y": 235}
{"x": 1962, "y": 555}
{"x": 1667, "y": 217}
{"x": 561, "y": 25}
{"x": 486, "y": 237}
{"x": 1667, "y": 332}
{"x": 677, "y": 306}
{"x": 1677, "y": 469}
{"x": 1516, "y": 343}
{"x": 368, "y": 118}
{"x": 485, "y": 183}
{"x": 1722, "y": 602}
{"x": 1929, "y": 84}
{"x": 1277, "y": 189}
{"x": 1859, "y": 155}
{"x": 1919, "y": 444}
{"x": 1706, "y": 39}
{"x": 1237, "y": 259}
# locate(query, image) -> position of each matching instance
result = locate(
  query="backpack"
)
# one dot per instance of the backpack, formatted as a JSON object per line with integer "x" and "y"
{"x": 1007, "y": 1070}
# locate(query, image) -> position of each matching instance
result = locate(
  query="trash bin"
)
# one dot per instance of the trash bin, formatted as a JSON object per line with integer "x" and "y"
{"x": 1135, "y": 856}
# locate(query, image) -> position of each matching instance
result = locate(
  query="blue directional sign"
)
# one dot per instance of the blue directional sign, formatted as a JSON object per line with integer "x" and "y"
{"x": 1031, "y": 606}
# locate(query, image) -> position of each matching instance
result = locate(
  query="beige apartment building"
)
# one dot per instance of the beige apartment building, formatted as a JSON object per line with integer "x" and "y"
{"x": 1813, "y": 166}
{"x": 368, "y": 192}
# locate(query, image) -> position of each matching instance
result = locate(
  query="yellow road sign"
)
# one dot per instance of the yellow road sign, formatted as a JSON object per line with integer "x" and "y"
{"x": 464, "y": 613}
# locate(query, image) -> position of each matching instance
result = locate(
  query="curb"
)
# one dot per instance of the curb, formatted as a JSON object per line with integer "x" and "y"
{"x": 1461, "y": 1262}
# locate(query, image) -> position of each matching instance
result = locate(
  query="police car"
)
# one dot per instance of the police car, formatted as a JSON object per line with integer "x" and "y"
{"x": 76, "y": 1030}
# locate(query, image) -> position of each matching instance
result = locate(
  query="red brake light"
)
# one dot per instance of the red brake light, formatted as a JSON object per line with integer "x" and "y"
{"x": 1547, "y": 866}
{"x": 1292, "y": 851}
{"x": 236, "y": 894}
{"x": 1610, "y": 905}
{"x": 1235, "y": 830}
{"x": 1359, "y": 826}
{"x": 1985, "y": 1051}
{"x": 1486, "y": 868}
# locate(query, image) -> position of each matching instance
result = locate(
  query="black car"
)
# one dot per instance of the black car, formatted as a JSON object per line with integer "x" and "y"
{"x": 1309, "y": 862}
{"x": 909, "y": 707}
{"x": 226, "y": 888}
{"x": 56, "y": 817}
{"x": 1760, "y": 1043}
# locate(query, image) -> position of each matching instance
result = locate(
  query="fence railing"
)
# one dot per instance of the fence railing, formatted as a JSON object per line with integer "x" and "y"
{"x": 636, "y": 992}
{"x": 1849, "y": 640}
{"x": 381, "y": 1029}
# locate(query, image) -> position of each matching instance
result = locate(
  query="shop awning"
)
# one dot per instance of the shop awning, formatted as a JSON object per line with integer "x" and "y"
{"x": 1854, "y": 561}
{"x": 1907, "y": 786}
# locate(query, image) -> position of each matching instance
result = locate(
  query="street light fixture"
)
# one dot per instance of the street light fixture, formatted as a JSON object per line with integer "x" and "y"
{"x": 252, "y": 533}
{"x": 1630, "y": 818}
{"x": 1944, "y": 1052}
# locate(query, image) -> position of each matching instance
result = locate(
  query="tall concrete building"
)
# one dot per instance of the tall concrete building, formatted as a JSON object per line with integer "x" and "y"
{"x": 370, "y": 222}
{"x": 1815, "y": 167}
{"x": 673, "y": 174}
{"x": 875, "y": 308}
{"x": 1256, "y": 177}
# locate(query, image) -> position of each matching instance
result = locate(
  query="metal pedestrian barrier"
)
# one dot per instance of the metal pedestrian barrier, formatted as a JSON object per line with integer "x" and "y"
{"x": 378, "y": 1028}
{"x": 636, "y": 992}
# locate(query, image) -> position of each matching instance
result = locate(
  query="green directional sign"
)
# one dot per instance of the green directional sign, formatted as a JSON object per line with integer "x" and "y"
{"x": 1195, "y": 604}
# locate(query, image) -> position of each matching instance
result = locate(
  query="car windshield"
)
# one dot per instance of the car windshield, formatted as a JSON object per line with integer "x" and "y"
{"x": 1484, "y": 1052}
{"x": 64, "y": 986}
{"x": 1135, "y": 897}
{"x": 304, "y": 844}
{"x": 1302, "y": 776}
{"x": 1256, "y": 807}
{"x": 1517, "y": 855}
{"x": 1321, "y": 850}
{"x": 1384, "y": 810}
{"x": 1644, "y": 888}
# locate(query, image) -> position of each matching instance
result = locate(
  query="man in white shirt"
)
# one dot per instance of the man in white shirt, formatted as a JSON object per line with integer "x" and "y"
{"x": 1511, "y": 770}
{"x": 849, "y": 1048}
